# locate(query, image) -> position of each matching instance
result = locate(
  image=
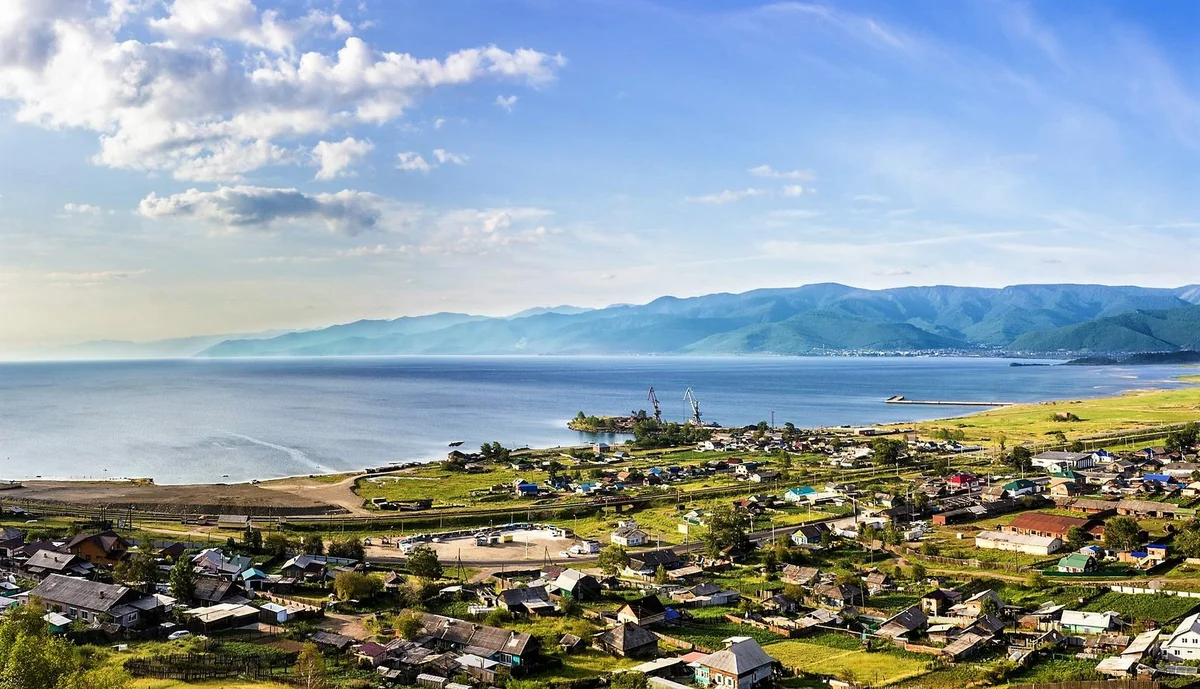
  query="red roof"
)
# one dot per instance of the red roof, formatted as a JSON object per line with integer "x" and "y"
{"x": 1047, "y": 523}
{"x": 963, "y": 477}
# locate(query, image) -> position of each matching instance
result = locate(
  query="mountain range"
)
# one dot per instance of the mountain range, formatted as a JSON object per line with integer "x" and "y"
{"x": 825, "y": 318}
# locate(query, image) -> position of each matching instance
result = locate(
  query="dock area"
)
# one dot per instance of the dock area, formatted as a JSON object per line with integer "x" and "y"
{"x": 900, "y": 399}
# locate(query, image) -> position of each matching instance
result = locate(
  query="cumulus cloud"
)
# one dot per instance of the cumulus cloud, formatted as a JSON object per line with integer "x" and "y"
{"x": 792, "y": 190}
{"x": 238, "y": 207}
{"x": 729, "y": 196}
{"x": 443, "y": 157}
{"x": 336, "y": 157}
{"x": 411, "y": 161}
{"x": 771, "y": 173}
{"x": 506, "y": 102}
{"x": 219, "y": 87}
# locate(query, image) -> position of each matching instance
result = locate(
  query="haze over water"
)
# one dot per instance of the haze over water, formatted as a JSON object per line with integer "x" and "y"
{"x": 184, "y": 421}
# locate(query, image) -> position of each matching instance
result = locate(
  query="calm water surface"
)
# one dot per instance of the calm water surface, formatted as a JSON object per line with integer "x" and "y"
{"x": 183, "y": 421}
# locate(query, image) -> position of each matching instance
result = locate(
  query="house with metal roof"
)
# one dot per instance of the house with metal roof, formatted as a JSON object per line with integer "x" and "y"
{"x": 528, "y": 600}
{"x": 627, "y": 640}
{"x": 1042, "y": 524}
{"x": 629, "y": 537}
{"x": 644, "y": 611}
{"x": 904, "y": 623}
{"x": 1063, "y": 460}
{"x": 104, "y": 548}
{"x": 44, "y": 563}
{"x": 510, "y": 648}
{"x": 577, "y": 585}
{"x": 1019, "y": 543}
{"x": 1089, "y": 622}
{"x": 1076, "y": 563}
{"x": 93, "y": 602}
{"x": 742, "y": 664}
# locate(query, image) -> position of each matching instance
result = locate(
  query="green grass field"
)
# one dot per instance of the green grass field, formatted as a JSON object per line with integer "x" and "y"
{"x": 876, "y": 669}
{"x": 1131, "y": 411}
{"x": 1133, "y": 607}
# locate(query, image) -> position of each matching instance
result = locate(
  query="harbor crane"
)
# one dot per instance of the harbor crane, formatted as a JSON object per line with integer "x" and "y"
{"x": 690, "y": 398}
{"x": 654, "y": 400}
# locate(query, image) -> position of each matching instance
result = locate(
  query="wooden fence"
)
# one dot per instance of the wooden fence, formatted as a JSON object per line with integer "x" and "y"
{"x": 194, "y": 667}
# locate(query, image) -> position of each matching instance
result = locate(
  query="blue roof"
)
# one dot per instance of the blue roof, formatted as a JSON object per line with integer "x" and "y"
{"x": 252, "y": 572}
{"x": 802, "y": 490}
{"x": 1161, "y": 478}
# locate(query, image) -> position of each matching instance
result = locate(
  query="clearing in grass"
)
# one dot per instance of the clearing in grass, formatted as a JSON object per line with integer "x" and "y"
{"x": 876, "y": 669}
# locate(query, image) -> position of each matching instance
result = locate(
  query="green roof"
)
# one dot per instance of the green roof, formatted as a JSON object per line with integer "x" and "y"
{"x": 1018, "y": 484}
{"x": 1075, "y": 561}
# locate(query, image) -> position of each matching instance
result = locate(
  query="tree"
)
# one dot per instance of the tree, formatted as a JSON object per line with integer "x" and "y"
{"x": 1076, "y": 538}
{"x": 1035, "y": 580}
{"x": 252, "y": 539}
{"x": 1021, "y": 458}
{"x": 726, "y": 529}
{"x": 940, "y": 466}
{"x": 183, "y": 580}
{"x": 770, "y": 561}
{"x": 660, "y": 575}
{"x": 277, "y": 544}
{"x": 886, "y": 451}
{"x": 929, "y": 548}
{"x": 1076, "y": 446}
{"x": 140, "y": 570}
{"x": 1183, "y": 439}
{"x": 350, "y": 548}
{"x": 989, "y": 606}
{"x": 918, "y": 572}
{"x": 423, "y": 562}
{"x": 408, "y": 626}
{"x": 612, "y": 560}
{"x": 1122, "y": 533}
{"x": 310, "y": 668}
{"x": 31, "y": 658}
{"x": 356, "y": 586}
{"x": 313, "y": 545}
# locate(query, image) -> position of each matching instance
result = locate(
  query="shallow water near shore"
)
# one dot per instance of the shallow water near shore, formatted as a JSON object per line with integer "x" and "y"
{"x": 208, "y": 421}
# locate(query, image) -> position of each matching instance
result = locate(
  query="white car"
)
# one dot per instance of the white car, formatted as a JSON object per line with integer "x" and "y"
{"x": 181, "y": 634}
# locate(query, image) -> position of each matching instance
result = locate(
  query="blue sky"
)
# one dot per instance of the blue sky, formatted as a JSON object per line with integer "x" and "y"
{"x": 211, "y": 166}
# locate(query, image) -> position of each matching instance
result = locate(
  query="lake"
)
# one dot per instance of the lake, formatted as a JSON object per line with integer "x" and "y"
{"x": 203, "y": 421}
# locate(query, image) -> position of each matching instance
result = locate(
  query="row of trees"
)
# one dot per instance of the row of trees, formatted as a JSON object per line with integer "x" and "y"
{"x": 32, "y": 658}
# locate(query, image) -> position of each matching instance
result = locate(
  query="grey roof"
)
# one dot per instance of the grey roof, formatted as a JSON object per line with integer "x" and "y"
{"x": 628, "y": 636}
{"x": 331, "y": 639}
{"x": 653, "y": 558}
{"x": 491, "y": 639}
{"x": 905, "y": 622}
{"x": 81, "y": 593}
{"x": 741, "y": 657}
{"x": 527, "y": 594}
{"x": 51, "y": 560}
{"x": 570, "y": 579}
{"x": 211, "y": 589}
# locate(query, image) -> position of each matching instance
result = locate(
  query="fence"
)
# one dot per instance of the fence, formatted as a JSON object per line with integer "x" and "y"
{"x": 1164, "y": 592}
{"x": 190, "y": 667}
{"x": 680, "y": 643}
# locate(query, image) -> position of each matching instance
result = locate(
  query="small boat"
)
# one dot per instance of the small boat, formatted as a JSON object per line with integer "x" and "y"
{"x": 457, "y": 443}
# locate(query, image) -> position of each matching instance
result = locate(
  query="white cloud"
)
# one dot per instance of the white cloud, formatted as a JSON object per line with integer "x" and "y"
{"x": 506, "y": 102}
{"x": 443, "y": 156}
{"x": 345, "y": 212}
{"x": 412, "y": 162}
{"x": 771, "y": 173}
{"x": 336, "y": 157}
{"x": 439, "y": 122}
{"x": 81, "y": 209}
{"x": 729, "y": 196}
{"x": 792, "y": 190}
{"x": 228, "y": 91}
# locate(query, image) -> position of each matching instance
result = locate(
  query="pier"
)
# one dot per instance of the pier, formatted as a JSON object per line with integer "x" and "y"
{"x": 900, "y": 399}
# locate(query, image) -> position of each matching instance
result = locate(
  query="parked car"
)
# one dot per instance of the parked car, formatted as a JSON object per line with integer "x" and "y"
{"x": 181, "y": 634}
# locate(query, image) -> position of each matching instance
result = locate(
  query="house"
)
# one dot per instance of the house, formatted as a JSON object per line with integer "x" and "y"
{"x": 901, "y": 625}
{"x": 329, "y": 640}
{"x": 371, "y": 654}
{"x": 44, "y": 563}
{"x": 104, "y": 548}
{"x": 576, "y": 585}
{"x": 1063, "y": 460}
{"x": 305, "y": 567}
{"x": 781, "y": 604}
{"x": 569, "y": 643}
{"x": 1019, "y": 487}
{"x": 11, "y": 540}
{"x": 529, "y": 600}
{"x": 646, "y": 564}
{"x": 1153, "y": 510}
{"x": 1065, "y": 489}
{"x": 643, "y": 611}
{"x": 963, "y": 482}
{"x": 876, "y": 582}
{"x": 938, "y": 601}
{"x": 1184, "y": 644}
{"x": 1077, "y": 563}
{"x": 978, "y": 605}
{"x": 795, "y": 574}
{"x": 507, "y": 647}
{"x": 708, "y": 593}
{"x": 214, "y": 590}
{"x": 1089, "y": 506}
{"x": 1042, "y": 524}
{"x": 221, "y": 616}
{"x": 524, "y": 489}
{"x": 810, "y": 534}
{"x": 742, "y": 664}
{"x": 765, "y": 476}
{"x": 629, "y": 537}
{"x": 627, "y": 640}
{"x": 1089, "y": 622}
{"x": 234, "y": 522}
{"x": 212, "y": 561}
{"x": 799, "y": 494}
{"x": 839, "y": 595}
{"x": 95, "y": 603}
{"x": 1020, "y": 543}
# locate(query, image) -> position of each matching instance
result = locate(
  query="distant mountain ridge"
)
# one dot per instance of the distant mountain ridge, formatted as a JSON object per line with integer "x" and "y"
{"x": 825, "y": 318}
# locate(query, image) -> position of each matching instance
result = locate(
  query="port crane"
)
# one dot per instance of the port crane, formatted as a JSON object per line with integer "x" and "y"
{"x": 654, "y": 400}
{"x": 690, "y": 398}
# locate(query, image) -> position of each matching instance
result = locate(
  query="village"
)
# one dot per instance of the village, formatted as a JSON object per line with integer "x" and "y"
{"x": 857, "y": 559}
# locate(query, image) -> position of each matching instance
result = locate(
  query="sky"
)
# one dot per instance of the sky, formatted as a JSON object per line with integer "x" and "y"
{"x": 181, "y": 167}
